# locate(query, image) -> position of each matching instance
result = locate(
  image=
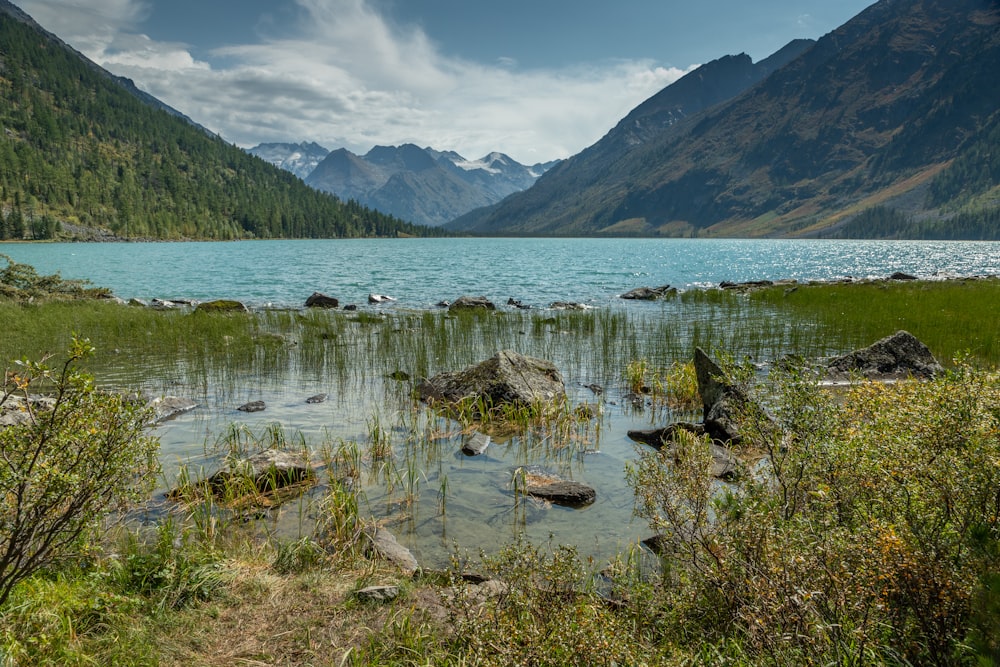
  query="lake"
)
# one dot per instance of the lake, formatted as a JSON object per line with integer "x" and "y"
{"x": 421, "y": 272}
{"x": 431, "y": 495}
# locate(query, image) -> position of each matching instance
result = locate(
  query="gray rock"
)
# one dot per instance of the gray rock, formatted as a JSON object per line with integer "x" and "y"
{"x": 252, "y": 406}
{"x": 385, "y": 546}
{"x": 507, "y": 377}
{"x": 648, "y": 293}
{"x": 320, "y": 300}
{"x": 899, "y": 275}
{"x": 545, "y": 485}
{"x": 475, "y": 444}
{"x": 896, "y": 356}
{"x": 163, "y": 304}
{"x": 351, "y": 307}
{"x": 317, "y": 398}
{"x": 377, "y": 593}
{"x": 724, "y": 405}
{"x": 222, "y": 306}
{"x": 566, "y": 305}
{"x": 472, "y": 303}
{"x": 724, "y": 464}
{"x": 168, "y": 407}
{"x": 517, "y": 304}
{"x": 138, "y": 302}
{"x": 379, "y": 298}
{"x": 266, "y": 471}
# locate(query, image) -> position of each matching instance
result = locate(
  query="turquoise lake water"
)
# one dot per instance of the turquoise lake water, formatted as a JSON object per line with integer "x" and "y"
{"x": 421, "y": 272}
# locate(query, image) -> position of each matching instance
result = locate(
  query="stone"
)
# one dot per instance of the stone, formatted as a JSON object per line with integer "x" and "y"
{"x": 252, "y": 406}
{"x": 320, "y": 300}
{"x": 377, "y": 593}
{"x": 648, "y": 293}
{"x": 724, "y": 405}
{"x": 899, "y": 275}
{"x": 475, "y": 444}
{"x": 724, "y": 463}
{"x": 168, "y": 407}
{"x": 379, "y": 298}
{"x": 507, "y": 377}
{"x": 163, "y": 304}
{"x": 544, "y": 485}
{"x": 351, "y": 307}
{"x": 472, "y": 303}
{"x": 222, "y": 306}
{"x": 266, "y": 471}
{"x": 517, "y": 303}
{"x": 399, "y": 376}
{"x": 385, "y": 546}
{"x": 897, "y": 356}
{"x": 566, "y": 305}
{"x": 317, "y": 398}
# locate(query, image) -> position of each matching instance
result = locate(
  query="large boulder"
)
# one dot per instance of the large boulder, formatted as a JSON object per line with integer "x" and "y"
{"x": 724, "y": 405}
{"x": 896, "y": 356}
{"x": 266, "y": 471}
{"x": 507, "y": 377}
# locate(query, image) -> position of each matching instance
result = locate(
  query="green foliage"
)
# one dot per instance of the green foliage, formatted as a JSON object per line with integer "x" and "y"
{"x": 20, "y": 282}
{"x": 65, "y": 463}
{"x": 79, "y": 149}
{"x": 543, "y": 609}
{"x": 865, "y": 536}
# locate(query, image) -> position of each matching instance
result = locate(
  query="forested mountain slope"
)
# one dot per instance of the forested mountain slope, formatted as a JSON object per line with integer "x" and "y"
{"x": 78, "y": 149}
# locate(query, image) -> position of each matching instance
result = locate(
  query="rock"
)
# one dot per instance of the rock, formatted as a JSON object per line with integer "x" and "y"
{"x": 899, "y": 275}
{"x": 377, "y": 593}
{"x": 545, "y": 485}
{"x": 659, "y": 437}
{"x": 138, "y": 302}
{"x": 399, "y": 376}
{"x": 379, "y": 298}
{"x": 517, "y": 304}
{"x": 567, "y": 305}
{"x": 724, "y": 405}
{"x": 724, "y": 463}
{"x": 746, "y": 286}
{"x": 222, "y": 306}
{"x": 385, "y": 546}
{"x": 507, "y": 377}
{"x": 266, "y": 471}
{"x": 318, "y": 398}
{"x": 443, "y": 304}
{"x": 252, "y": 406}
{"x": 168, "y": 407}
{"x": 320, "y": 300}
{"x": 896, "y": 356}
{"x": 475, "y": 444}
{"x": 472, "y": 303}
{"x": 351, "y": 307}
{"x": 648, "y": 293}
{"x": 595, "y": 388}
{"x": 163, "y": 304}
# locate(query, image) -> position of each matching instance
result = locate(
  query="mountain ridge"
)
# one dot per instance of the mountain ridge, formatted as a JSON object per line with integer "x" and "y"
{"x": 873, "y": 113}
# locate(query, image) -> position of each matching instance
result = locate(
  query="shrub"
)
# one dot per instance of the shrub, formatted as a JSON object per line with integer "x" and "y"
{"x": 65, "y": 463}
{"x": 866, "y": 534}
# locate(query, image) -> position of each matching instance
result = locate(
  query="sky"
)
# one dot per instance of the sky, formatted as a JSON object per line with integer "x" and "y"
{"x": 536, "y": 79}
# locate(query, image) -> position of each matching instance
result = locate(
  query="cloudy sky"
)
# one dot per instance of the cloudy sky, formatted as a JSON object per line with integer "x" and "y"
{"x": 536, "y": 79}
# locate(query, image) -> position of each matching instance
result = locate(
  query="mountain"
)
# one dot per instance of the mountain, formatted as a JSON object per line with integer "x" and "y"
{"x": 894, "y": 109}
{"x": 422, "y": 185}
{"x": 300, "y": 159}
{"x": 84, "y": 152}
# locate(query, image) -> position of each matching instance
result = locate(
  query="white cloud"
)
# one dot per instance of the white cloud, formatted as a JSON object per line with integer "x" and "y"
{"x": 352, "y": 78}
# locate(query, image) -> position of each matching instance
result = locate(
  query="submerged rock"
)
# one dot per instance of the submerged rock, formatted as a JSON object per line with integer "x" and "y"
{"x": 897, "y": 356}
{"x": 252, "y": 406}
{"x": 475, "y": 444}
{"x": 545, "y": 485}
{"x": 317, "y": 398}
{"x": 168, "y": 407}
{"x": 507, "y": 377}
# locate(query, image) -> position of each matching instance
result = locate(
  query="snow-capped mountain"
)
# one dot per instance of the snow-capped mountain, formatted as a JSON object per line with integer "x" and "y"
{"x": 422, "y": 185}
{"x": 300, "y": 159}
